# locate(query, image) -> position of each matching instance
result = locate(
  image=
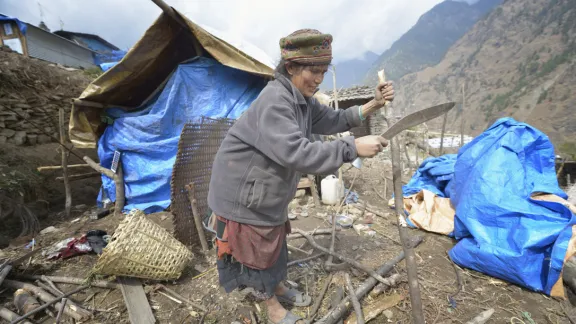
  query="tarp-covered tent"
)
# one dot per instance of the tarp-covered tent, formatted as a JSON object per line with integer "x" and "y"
{"x": 499, "y": 197}
{"x": 139, "y": 107}
{"x": 145, "y": 67}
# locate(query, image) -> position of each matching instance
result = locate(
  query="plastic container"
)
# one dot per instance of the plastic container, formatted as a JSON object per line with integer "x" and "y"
{"x": 332, "y": 192}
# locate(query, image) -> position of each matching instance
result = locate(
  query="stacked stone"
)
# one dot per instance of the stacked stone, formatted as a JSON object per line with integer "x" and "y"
{"x": 33, "y": 120}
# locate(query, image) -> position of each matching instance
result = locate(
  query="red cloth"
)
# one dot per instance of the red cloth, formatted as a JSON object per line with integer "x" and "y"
{"x": 257, "y": 247}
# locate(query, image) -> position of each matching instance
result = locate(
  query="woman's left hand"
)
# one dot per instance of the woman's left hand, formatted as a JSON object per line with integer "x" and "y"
{"x": 384, "y": 93}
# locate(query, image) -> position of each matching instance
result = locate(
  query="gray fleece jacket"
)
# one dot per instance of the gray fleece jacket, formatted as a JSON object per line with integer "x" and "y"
{"x": 259, "y": 164}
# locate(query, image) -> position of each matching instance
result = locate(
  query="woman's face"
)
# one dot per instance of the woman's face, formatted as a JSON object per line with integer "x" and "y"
{"x": 307, "y": 78}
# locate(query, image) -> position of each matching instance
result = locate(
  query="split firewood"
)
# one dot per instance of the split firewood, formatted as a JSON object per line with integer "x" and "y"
{"x": 49, "y": 298}
{"x": 355, "y": 302}
{"x": 342, "y": 258}
{"x": 337, "y": 312}
{"x": 376, "y": 308}
{"x": 482, "y": 317}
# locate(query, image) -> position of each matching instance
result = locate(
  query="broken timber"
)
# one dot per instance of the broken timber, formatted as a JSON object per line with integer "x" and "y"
{"x": 137, "y": 305}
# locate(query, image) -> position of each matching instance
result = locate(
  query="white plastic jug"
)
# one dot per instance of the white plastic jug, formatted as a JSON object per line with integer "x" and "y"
{"x": 331, "y": 190}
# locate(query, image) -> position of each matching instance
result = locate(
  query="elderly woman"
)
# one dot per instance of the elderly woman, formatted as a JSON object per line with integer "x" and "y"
{"x": 259, "y": 164}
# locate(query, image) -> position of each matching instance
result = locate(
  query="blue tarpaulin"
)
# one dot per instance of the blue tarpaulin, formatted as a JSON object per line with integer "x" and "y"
{"x": 502, "y": 231}
{"x": 433, "y": 175}
{"x": 107, "y": 60}
{"x": 21, "y": 25}
{"x": 148, "y": 138}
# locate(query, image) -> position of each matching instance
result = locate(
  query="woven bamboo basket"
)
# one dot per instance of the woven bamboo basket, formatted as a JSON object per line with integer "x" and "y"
{"x": 140, "y": 248}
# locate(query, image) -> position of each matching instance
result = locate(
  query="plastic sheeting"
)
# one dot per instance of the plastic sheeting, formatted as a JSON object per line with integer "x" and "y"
{"x": 433, "y": 175}
{"x": 21, "y": 25}
{"x": 108, "y": 59}
{"x": 148, "y": 137}
{"x": 502, "y": 230}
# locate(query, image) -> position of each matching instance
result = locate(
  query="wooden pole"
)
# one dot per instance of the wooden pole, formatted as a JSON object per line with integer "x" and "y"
{"x": 59, "y": 167}
{"x": 462, "y": 117}
{"x": 68, "y": 204}
{"x": 197, "y": 217}
{"x": 443, "y": 132}
{"x": 69, "y": 280}
{"x": 355, "y": 302}
{"x": 170, "y": 12}
{"x": 412, "y": 268}
{"x": 118, "y": 178}
{"x": 314, "y": 190}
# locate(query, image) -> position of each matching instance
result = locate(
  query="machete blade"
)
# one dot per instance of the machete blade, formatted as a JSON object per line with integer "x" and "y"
{"x": 417, "y": 118}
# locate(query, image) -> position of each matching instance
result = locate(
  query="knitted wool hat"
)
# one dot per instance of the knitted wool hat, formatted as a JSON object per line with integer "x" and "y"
{"x": 307, "y": 47}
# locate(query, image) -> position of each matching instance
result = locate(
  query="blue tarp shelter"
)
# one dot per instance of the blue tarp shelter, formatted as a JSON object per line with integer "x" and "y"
{"x": 511, "y": 222}
{"x": 148, "y": 137}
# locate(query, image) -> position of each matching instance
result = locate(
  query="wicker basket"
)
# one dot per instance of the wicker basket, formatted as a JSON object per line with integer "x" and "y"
{"x": 142, "y": 249}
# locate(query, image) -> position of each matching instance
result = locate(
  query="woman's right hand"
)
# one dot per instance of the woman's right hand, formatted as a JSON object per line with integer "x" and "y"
{"x": 369, "y": 146}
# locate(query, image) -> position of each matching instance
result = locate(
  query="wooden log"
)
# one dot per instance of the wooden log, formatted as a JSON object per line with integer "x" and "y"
{"x": 70, "y": 280}
{"x": 49, "y": 299}
{"x": 355, "y": 302}
{"x": 67, "y": 190}
{"x": 139, "y": 310}
{"x": 80, "y": 176}
{"x": 197, "y": 217}
{"x": 4, "y": 272}
{"x": 10, "y": 316}
{"x": 59, "y": 167}
{"x": 337, "y": 312}
{"x": 376, "y": 308}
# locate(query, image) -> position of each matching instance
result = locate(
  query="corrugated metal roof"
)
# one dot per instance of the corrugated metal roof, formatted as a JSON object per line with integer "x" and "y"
{"x": 354, "y": 93}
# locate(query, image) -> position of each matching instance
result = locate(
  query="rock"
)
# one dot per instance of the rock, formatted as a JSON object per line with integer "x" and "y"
{"x": 300, "y": 193}
{"x": 7, "y": 132}
{"x": 47, "y": 230}
{"x": 43, "y": 139}
{"x": 32, "y": 139}
{"x": 19, "y": 138}
{"x": 388, "y": 314}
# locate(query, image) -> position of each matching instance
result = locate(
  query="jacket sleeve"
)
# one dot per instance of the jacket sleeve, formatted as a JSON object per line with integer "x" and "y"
{"x": 280, "y": 138}
{"x": 328, "y": 121}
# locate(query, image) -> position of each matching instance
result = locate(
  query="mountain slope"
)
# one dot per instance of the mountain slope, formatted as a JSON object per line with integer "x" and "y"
{"x": 350, "y": 73}
{"x": 519, "y": 61}
{"x": 426, "y": 43}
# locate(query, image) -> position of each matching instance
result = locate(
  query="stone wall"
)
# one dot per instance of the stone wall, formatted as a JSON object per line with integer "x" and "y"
{"x": 31, "y": 93}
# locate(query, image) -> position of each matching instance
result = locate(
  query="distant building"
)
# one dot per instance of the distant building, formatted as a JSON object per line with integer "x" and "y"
{"x": 93, "y": 42}
{"x": 40, "y": 43}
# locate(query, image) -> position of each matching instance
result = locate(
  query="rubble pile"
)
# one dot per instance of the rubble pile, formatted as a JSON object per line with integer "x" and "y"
{"x": 31, "y": 93}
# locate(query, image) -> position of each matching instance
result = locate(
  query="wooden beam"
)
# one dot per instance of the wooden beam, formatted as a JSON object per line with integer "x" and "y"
{"x": 139, "y": 310}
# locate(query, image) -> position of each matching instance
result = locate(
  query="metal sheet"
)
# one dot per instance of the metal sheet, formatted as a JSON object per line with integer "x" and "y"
{"x": 197, "y": 149}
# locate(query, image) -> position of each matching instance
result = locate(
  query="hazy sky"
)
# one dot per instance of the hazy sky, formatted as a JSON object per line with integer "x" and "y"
{"x": 358, "y": 26}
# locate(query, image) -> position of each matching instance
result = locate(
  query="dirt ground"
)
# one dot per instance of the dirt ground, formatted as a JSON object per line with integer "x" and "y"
{"x": 199, "y": 283}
